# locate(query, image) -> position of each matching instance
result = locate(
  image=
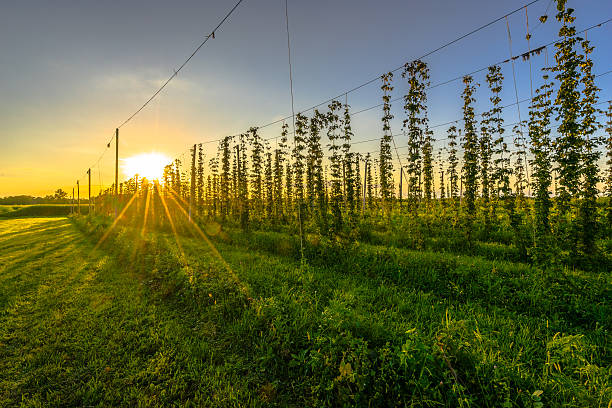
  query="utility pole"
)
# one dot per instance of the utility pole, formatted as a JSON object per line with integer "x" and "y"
{"x": 400, "y": 189}
{"x": 192, "y": 187}
{"x": 89, "y": 191}
{"x": 116, "y": 170}
{"x": 365, "y": 185}
{"x": 78, "y": 199}
{"x": 72, "y": 204}
{"x": 116, "y": 162}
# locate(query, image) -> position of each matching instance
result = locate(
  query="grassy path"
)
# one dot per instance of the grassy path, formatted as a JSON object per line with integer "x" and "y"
{"x": 77, "y": 330}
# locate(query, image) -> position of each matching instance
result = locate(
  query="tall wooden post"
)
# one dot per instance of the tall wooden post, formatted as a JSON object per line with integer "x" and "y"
{"x": 192, "y": 187}
{"x": 365, "y": 185}
{"x": 78, "y": 198}
{"x": 72, "y": 204}
{"x": 400, "y": 192}
{"x": 343, "y": 182}
{"x": 116, "y": 170}
{"x": 89, "y": 192}
{"x": 116, "y": 162}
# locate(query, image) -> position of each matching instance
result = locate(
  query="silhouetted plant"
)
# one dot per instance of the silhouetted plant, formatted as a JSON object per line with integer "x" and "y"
{"x": 415, "y": 125}
{"x": 386, "y": 163}
{"x": 453, "y": 173}
{"x": 351, "y": 181}
{"x": 279, "y": 160}
{"x": 257, "y": 159}
{"x": 470, "y": 155}
{"x": 608, "y": 185}
{"x": 569, "y": 144}
{"x": 333, "y": 134}
{"x": 541, "y": 149}
{"x": 200, "y": 181}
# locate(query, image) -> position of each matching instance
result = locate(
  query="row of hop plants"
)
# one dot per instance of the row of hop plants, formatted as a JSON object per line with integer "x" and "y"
{"x": 320, "y": 183}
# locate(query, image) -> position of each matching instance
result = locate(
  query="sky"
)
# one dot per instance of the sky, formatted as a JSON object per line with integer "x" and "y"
{"x": 72, "y": 71}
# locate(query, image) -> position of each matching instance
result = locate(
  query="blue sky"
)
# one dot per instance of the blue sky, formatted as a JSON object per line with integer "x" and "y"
{"x": 73, "y": 70}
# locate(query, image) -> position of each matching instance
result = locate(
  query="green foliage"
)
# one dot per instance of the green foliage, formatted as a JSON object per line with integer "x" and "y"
{"x": 541, "y": 148}
{"x": 470, "y": 155}
{"x": 608, "y": 180}
{"x": 224, "y": 178}
{"x": 256, "y": 171}
{"x": 279, "y": 159}
{"x": 589, "y": 229}
{"x": 453, "y": 162}
{"x": 569, "y": 143}
{"x": 350, "y": 175}
{"x": 298, "y": 157}
{"x": 200, "y": 181}
{"x": 385, "y": 157}
{"x": 491, "y": 173}
{"x": 336, "y": 194}
{"x": 419, "y": 138}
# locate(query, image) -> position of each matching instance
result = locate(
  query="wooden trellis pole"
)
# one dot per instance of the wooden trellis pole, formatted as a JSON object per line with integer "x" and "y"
{"x": 89, "y": 191}
{"x": 116, "y": 170}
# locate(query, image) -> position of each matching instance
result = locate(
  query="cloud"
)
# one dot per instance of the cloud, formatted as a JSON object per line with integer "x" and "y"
{"x": 144, "y": 82}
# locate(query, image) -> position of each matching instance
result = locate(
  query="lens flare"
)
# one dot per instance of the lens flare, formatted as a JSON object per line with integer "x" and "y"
{"x": 146, "y": 165}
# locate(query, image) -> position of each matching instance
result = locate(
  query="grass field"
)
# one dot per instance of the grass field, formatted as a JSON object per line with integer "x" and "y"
{"x": 142, "y": 321}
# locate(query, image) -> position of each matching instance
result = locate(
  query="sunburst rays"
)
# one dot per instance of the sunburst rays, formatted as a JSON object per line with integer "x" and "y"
{"x": 175, "y": 197}
{"x": 173, "y": 227}
{"x": 192, "y": 226}
{"x": 110, "y": 229}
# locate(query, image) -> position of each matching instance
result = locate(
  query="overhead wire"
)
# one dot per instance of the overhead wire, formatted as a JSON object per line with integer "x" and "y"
{"x": 176, "y": 72}
{"x": 445, "y": 45}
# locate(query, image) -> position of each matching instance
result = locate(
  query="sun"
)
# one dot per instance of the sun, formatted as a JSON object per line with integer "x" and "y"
{"x": 146, "y": 165}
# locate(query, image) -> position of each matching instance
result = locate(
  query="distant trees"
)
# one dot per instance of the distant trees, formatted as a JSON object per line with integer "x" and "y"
{"x": 60, "y": 194}
{"x": 59, "y": 197}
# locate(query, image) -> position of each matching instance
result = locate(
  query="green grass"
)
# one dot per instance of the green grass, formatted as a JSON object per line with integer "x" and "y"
{"x": 78, "y": 329}
{"x": 136, "y": 323}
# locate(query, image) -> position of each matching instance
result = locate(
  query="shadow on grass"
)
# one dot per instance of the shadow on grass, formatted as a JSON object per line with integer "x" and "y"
{"x": 32, "y": 229}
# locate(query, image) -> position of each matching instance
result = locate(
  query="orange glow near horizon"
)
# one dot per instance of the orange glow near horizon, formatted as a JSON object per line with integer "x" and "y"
{"x": 146, "y": 165}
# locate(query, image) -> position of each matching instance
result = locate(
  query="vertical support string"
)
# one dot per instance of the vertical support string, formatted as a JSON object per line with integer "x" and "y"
{"x": 518, "y": 108}
{"x": 293, "y": 119}
{"x": 528, "y": 36}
